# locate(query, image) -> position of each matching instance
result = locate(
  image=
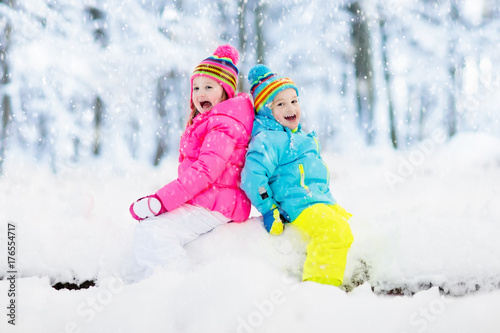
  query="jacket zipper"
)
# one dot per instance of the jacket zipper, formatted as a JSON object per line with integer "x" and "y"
{"x": 303, "y": 178}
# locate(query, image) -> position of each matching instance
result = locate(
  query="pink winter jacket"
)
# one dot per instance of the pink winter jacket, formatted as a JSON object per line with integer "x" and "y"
{"x": 212, "y": 154}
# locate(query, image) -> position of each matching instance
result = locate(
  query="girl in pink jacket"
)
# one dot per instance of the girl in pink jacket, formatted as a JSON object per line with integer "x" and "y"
{"x": 212, "y": 151}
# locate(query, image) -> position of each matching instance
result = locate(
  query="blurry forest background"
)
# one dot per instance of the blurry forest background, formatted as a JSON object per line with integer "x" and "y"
{"x": 108, "y": 80}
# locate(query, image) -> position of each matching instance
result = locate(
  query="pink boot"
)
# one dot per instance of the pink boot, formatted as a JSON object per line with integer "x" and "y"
{"x": 147, "y": 207}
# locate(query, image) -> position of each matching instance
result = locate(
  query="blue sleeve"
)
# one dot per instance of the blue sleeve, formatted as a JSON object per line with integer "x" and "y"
{"x": 261, "y": 162}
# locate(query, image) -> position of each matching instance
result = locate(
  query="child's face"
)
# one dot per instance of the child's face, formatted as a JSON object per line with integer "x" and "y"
{"x": 286, "y": 108}
{"x": 206, "y": 93}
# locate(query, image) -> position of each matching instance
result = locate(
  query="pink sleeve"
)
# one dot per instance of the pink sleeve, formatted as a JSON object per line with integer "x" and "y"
{"x": 215, "y": 152}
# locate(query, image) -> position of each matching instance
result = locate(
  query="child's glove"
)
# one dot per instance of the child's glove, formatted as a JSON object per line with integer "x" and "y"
{"x": 274, "y": 219}
{"x": 147, "y": 207}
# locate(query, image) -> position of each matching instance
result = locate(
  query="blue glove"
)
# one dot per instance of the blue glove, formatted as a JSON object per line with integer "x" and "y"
{"x": 274, "y": 219}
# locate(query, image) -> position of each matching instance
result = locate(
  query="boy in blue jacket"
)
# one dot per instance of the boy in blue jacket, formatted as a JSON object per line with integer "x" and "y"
{"x": 287, "y": 180}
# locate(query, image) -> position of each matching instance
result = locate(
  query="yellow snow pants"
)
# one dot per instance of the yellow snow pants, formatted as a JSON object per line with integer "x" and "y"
{"x": 329, "y": 237}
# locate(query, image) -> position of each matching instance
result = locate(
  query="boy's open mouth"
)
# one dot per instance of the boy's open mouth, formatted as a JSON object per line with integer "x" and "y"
{"x": 205, "y": 105}
{"x": 290, "y": 118}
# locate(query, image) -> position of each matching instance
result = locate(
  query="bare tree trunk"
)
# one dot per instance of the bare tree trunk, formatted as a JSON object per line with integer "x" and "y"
{"x": 224, "y": 21}
{"x": 364, "y": 70}
{"x": 426, "y": 103}
{"x": 162, "y": 94}
{"x": 242, "y": 38}
{"x": 259, "y": 32}
{"x": 98, "y": 117}
{"x": 170, "y": 104}
{"x": 387, "y": 77}
{"x": 6, "y": 116}
{"x": 6, "y": 105}
{"x": 451, "y": 116}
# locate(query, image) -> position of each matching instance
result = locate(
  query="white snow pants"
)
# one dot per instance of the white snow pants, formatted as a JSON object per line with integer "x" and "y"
{"x": 160, "y": 241}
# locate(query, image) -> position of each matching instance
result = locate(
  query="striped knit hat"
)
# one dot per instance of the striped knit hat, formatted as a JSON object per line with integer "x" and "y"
{"x": 221, "y": 67}
{"x": 265, "y": 85}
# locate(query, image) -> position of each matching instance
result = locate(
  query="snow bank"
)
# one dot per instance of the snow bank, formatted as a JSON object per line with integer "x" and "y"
{"x": 425, "y": 224}
{"x": 426, "y": 217}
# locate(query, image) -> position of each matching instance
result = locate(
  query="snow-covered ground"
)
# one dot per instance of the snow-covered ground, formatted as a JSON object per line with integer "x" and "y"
{"x": 426, "y": 225}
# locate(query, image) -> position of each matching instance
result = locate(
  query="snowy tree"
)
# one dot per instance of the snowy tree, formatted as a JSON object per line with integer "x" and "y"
{"x": 6, "y": 104}
{"x": 92, "y": 80}
{"x": 363, "y": 68}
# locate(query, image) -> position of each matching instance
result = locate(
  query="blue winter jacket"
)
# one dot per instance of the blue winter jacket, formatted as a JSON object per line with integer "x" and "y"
{"x": 284, "y": 169}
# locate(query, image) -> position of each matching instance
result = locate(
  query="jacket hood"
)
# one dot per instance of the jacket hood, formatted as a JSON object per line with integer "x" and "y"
{"x": 263, "y": 123}
{"x": 239, "y": 107}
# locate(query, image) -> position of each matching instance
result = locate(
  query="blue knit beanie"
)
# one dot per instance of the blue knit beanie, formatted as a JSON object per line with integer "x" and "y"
{"x": 265, "y": 85}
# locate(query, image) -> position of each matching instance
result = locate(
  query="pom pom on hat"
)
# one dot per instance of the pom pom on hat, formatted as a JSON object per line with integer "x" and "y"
{"x": 256, "y": 72}
{"x": 227, "y": 51}
{"x": 265, "y": 85}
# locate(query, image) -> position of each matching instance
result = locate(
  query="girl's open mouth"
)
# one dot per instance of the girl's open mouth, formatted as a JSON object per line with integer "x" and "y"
{"x": 291, "y": 118}
{"x": 205, "y": 105}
